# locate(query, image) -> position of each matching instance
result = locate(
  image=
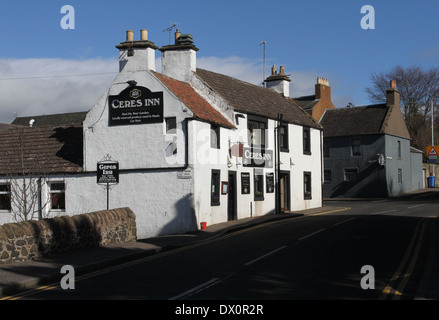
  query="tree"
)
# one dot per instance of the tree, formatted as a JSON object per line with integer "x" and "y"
{"x": 418, "y": 88}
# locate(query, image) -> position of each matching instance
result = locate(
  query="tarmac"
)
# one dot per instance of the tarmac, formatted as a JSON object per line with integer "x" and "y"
{"x": 21, "y": 276}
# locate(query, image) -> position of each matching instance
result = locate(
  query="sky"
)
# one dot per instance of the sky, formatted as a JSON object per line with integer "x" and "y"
{"x": 47, "y": 68}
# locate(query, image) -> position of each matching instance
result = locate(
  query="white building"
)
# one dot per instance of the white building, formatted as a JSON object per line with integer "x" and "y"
{"x": 191, "y": 146}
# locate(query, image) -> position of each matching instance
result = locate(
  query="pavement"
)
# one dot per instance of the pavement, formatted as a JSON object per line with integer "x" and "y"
{"x": 26, "y": 275}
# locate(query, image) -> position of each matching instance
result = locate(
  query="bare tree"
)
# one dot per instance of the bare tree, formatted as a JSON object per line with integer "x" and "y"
{"x": 25, "y": 178}
{"x": 419, "y": 88}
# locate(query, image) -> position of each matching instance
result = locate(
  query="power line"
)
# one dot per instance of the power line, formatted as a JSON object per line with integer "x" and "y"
{"x": 59, "y": 76}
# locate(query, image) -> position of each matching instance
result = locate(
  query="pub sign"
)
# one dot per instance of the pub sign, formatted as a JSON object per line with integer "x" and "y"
{"x": 135, "y": 105}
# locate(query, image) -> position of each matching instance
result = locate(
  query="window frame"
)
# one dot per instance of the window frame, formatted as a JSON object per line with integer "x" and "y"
{"x": 215, "y": 136}
{"x": 306, "y": 140}
{"x": 351, "y": 170}
{"x": 252, "y": 130}
{"x": 173, "y": 129}
{"x": 356, "y": 149}
{"x": 61, "y": 192}
{"x": 283, "y": 138}
{"x": 307, "y": 185}
{"x": 8, "y": 195}
{"x": 215, "y": 187}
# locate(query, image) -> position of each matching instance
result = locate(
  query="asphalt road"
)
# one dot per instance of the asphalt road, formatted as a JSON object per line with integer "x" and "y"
{"x": 310, "y": 257}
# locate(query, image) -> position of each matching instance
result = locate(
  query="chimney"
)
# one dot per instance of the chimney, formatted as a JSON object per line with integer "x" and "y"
{"x": 279, "y": 82}
{"x": 179, "y": 60}
{"x": 392, "y": 95}
{"x": 136, "y": 55}
{"x": 322, "y": 89}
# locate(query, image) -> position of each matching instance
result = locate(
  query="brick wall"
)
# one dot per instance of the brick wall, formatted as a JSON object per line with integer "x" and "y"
{"x": 32, "y": 239}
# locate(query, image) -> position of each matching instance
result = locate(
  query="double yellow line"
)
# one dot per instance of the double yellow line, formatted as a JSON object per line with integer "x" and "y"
{"x": 408, "y": 263}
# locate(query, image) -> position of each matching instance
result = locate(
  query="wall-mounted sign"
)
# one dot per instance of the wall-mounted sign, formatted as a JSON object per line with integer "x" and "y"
{"x": 257, "y": 158}
{"x": 135, "y": 105}
{"x": 108, "y": 172}
{"x": 269, "y": 179}
{"x": 245, "y": 183}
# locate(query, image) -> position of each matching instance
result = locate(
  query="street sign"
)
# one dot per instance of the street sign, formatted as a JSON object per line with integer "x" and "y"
{"x": 432, "y": 154}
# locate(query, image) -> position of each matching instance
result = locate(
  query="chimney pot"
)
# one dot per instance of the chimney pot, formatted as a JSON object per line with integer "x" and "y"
{"x": 144, "y": 35}
{"x": 282, "y": 71}
{"x": 130, "y": 35}
{"x": 393, "y": 84}
{"x": 273, "y": 70}
{"x": 177, "y": 35}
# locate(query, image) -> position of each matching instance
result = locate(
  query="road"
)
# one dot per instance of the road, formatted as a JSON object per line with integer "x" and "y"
{"x": 310, "y": 257}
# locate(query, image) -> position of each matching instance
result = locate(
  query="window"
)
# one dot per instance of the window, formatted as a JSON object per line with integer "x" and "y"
{"x": 171, "y": 125}
{"x": 326, "y": 148}
{"x": 257, "y": 133}
{"x": 351, "y": 174}
{"x": 327, "y": 176}
{"x": 215, "y": 188}
{"x": 356, "y": 147}
{"x": 283, "y": 138}
{"x": 259, "y": 185}
{"x": 306, "y": 140}
{"x": 57, "y": 192}
{"x": 399, "y": 149}
{"x": 5, "y": 197}
{"x": 214, "y": 137}
{"x": 307, "y": 185}
{"x": 400, "y": 176}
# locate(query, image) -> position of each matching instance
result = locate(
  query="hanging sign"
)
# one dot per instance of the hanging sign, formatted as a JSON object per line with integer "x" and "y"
{"x": 135, "y": 105}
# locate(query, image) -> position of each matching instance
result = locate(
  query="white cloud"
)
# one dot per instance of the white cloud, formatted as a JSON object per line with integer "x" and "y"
{"x": 47, "y": 86}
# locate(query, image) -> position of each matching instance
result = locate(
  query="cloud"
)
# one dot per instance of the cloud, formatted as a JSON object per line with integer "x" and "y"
{"x": 31, "y": 87}
{"x": 48, "y": 86}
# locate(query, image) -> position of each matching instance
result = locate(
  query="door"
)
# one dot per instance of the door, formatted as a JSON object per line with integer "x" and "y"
{"x": 231, "y": 197}
{"x": 284, "y": 182}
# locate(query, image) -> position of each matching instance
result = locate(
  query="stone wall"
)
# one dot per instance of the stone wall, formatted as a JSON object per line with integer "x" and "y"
{"x": 32, "y": 239}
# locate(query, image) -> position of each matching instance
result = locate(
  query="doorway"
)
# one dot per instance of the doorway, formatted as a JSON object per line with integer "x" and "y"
{"x": 231, "y": 197}
{"x": 284, "y": 186}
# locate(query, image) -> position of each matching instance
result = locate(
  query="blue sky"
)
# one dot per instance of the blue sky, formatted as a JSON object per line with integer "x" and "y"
{"x": 310, "y": 38}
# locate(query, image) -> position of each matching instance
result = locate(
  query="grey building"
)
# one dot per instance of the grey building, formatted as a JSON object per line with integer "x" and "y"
{"x": 367, "y": 151}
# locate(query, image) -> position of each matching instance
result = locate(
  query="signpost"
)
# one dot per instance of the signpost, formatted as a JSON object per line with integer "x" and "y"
{"x": 108, "y": 174}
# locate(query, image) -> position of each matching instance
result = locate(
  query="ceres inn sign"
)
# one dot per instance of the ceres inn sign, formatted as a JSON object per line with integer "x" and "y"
{"x": 135, "y": 105}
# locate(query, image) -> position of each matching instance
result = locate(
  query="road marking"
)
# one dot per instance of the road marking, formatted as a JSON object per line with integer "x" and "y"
{"x": 311, "y": 234}
{"x": 344, "y": 221}
{"x": 418, "y": 205}
{"x": 265, "y": 255}
{"x": 332, "y": 211}
{"x": 202, "y": 286}
{"x": 381, "y": 212}
{"x": 417, "y": 236}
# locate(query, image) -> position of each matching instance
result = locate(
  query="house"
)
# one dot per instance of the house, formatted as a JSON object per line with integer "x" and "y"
{"x": 367, "y": 151}
{"x": 184, "y": 146}
{"x": 317, "y": 103}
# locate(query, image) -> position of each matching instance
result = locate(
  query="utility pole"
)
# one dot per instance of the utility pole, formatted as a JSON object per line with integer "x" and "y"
{"x": 263, "y": 71}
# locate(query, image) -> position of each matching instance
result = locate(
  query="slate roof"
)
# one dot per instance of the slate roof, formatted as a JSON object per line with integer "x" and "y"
{"x": 44, "y": 150}
{"x": 354, "y": 120}
{"x": 252, "y": 99}
{"x": 52, "y": 119}
{"x": 307, "y": 102}
{"x": 200, "y": 107}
